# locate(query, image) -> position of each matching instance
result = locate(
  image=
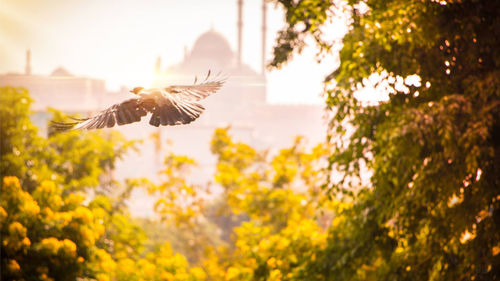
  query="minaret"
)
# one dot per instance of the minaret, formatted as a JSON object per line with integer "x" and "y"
{"x": 158, "y": 66}
{"x": 240, "y": 29}
{"x": 264, "y": 27}
{"x": 27, "y": 69}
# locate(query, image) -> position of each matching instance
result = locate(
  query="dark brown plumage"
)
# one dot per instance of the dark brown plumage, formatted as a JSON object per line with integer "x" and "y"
{"x": 174, "y": 105}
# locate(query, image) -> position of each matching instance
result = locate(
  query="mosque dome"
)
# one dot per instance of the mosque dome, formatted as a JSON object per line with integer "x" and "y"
{"x": 210, "y": 51}
{"x": 212, "y": 45}
{"x": 61, "y": 71}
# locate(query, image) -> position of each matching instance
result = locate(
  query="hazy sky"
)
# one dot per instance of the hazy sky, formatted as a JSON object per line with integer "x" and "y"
{"x": 119, "y": 41}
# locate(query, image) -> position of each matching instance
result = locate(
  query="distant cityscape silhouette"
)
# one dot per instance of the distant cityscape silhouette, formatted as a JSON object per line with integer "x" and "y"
{"x": 241, "y": 104}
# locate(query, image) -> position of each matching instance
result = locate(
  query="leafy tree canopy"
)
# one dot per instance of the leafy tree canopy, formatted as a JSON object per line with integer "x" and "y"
{"x": 432, "y": 142}
{"x": 48, "y": 230}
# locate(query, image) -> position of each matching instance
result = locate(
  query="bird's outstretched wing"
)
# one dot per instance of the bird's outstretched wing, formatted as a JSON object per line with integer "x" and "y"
{"x": 172, "y": 111}
{"x": 168, "y": 110}
{"x": 126, "y": 112}
{"x": 174, "y": 105}
{"x": 198, "y": 91}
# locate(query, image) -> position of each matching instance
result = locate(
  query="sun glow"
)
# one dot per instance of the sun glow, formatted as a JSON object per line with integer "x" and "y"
{"x": 120, "y": 44}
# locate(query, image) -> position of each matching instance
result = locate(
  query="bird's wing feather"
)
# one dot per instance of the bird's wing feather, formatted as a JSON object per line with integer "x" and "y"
{"x": 199, "y": 91}
{"x": 126, "y": 112}
{"x": 173, "y": 110}
{"x": 166, "y": 110}
{"x": 175, "y": 105}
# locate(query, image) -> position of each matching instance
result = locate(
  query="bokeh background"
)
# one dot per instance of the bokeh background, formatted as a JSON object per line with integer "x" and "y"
{"x": 352, "y": 140}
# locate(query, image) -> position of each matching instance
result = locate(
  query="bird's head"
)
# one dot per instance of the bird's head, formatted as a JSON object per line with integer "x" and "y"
{"x": 136, "y": 90}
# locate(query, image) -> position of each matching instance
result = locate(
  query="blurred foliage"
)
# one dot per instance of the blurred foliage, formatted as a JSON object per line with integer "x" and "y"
{"x": 280, "y": 195}
{"x": 269, "y": 219}
{"x": 267, "y": 223}
{"x": 72, "y": 160}
{"x": 303, "y": 19}
{"x": 182, "y": 207}
{"x": 431, "y": 210}
{"x": 49, "y": 229}
{"x": 44, "y": 236}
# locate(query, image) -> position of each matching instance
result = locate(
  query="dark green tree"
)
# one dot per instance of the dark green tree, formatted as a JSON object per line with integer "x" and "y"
{"x": 432, "y": 144}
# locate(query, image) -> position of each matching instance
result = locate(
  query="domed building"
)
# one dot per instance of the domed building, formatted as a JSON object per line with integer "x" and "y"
{"x": 235, "y": 105}
{"x": 61, "y": 72}
{"x": 240, "y": 104}
{"x": 60, "y": 89}
{"x": 212, "y": 50}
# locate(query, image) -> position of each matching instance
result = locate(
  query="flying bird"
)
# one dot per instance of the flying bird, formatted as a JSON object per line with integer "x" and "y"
{"x": 173, "y": 105}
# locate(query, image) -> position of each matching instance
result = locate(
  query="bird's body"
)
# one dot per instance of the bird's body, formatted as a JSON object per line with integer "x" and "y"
{"x": 173, "y": 105}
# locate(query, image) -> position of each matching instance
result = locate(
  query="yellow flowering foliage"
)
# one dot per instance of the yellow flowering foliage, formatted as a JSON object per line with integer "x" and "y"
{"x": 181, "y": 201}
{"x": 105, "y": 261}
{"x": 279, "y": 256}
{"x": 68, "y": 239}
{"x": 182, "y": 206}
{"x": 13, "y": 267}
{"x": 48, "y": 231}
{"x": 40, "y": 226}
{"x": 160, "y": 264}
{"x": 279, "y": 194}
{"x": 270, "y": 188}
{"x": 281, "y": 197}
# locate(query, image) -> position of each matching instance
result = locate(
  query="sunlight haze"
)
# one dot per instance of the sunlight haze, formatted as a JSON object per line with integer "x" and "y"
{"x": 119, "y": 41}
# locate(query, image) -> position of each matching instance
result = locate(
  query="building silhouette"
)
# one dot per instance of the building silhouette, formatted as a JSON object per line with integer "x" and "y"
{"x": 241, "y": 104}
{"x": 61, "y": 90}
